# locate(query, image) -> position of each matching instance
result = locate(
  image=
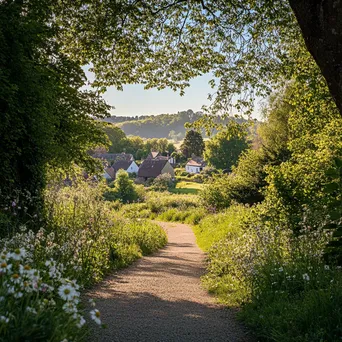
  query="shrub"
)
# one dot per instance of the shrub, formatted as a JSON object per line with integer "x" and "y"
{"x": 123, "y": 189}
{"x": 163, "y": 182}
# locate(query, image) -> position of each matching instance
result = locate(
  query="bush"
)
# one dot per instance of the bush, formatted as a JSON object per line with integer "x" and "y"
{"x": 244, "y": 185}
{"x": 163, "y": 182}
{"x": 123, "y": 189}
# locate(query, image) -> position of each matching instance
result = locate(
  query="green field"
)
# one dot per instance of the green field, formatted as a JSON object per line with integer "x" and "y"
{"x": 184, "y": 187}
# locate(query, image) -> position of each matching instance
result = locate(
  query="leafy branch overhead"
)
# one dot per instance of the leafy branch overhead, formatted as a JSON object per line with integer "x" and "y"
{"x": 249, "y": 46}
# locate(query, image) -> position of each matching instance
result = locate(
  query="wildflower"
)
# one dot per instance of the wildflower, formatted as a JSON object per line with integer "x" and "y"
{"x": 70, "y": 307}
{"x": 281, "y": 269}
{"x": 16, "y": 278}
{"x": 31, "y": 310}
{"x": 18, "y": 295}
{"x": 24, "y": 269}
{"x": 326, "y": 267}
{"x": 4, "y": 267}
{"x": 306, "y": 277}
{"x": 67, "y": 292}
{"x": 95, "y": 316}
{"x": 14, "y": 204}
{"x": 92, "y": 302}
{"x": 80, "y": 320}
{"x": 3, "y": 256}
{"x": 18, "y": 254}
{"x": 4, "y": 319}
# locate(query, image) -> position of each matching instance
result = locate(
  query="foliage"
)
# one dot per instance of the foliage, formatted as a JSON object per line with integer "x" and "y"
{"x": 117, "y": 138}
{"x": 124, "y": 189}
{"x": 82, "y": 240}
{"x": 244, "y": 185}
{"x": 223, "y": 150}
{"x": 190, "y": 216}
{"x": 280, "y": 277}
{"x": 186, "y": 187}
{"x": 192, "y": 144}
{"x": 163, "y": 182}
{"x": 45, "y": 112}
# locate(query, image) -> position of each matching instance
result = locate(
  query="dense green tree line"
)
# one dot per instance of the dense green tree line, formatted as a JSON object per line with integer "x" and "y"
{"x": 135, "y": 145}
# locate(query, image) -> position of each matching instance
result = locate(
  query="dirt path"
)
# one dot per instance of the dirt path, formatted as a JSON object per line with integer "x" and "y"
{"x": 160, "y": 298}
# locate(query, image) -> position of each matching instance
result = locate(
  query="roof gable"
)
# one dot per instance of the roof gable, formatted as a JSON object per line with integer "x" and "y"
{"x": 151, "y": 167}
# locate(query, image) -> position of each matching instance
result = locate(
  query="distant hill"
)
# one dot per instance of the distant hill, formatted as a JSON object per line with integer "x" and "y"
{"x": 169, "y": 126}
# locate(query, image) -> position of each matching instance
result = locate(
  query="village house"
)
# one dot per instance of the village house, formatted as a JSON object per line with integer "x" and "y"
{"x": 157, "y": 155}
{"x": 152, "y": 168}
{"x": 129, "y": 166}
{"x": 195, "y": 165}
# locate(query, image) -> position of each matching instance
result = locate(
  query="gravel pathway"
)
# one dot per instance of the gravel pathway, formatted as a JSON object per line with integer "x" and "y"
{"x": 160, "y": 298}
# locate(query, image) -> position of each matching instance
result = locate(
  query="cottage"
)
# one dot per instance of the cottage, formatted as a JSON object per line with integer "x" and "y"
{"x": 109, "y": 173}
{"x": 195, "y": 165}
{"x": 129, "y": 166}
{"x": 151, "y": 168}
{"x": 158, "y": 156}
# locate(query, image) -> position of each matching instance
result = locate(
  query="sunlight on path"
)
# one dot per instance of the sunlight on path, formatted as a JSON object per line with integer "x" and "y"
{"x": 160, "y": 298}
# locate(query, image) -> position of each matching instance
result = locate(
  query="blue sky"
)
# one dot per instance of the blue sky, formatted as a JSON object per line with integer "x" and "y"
{"x": 135, "y": 100}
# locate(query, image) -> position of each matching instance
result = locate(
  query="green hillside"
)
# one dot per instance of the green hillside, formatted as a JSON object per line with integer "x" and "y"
{"x": 157, "y": 126}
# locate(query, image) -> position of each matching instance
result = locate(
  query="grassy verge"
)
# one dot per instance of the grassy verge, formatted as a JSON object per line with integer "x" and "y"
{"x": 286, "y": 291}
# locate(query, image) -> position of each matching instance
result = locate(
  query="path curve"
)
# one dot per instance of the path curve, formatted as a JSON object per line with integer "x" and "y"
{"x": 160, "y": 299}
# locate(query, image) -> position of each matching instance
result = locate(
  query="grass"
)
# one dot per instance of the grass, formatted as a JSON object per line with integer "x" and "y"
{"x": 184, "y": 187}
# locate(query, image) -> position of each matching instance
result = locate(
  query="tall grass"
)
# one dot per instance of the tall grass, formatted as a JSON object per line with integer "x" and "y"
{"x": 279, "y": 278}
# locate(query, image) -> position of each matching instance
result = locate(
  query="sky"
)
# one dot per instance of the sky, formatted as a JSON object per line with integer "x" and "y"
{"x": 135, "y": 100}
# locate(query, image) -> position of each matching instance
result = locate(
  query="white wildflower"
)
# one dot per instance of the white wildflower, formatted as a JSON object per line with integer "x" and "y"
{"x": 67, "y": 292}
{"x": 4, "y": 267}
{"x": 18, "y": 295}
{"x": 18, "y": 254}
{"x": 4, "y": 319}
{"x": 306, "y": 277}
{"x": 281, "y": 269}
{"x": 326, "y": 267}
{"x": 31, "y": 310}
{"x": 70, "y": 307}
{"x": 95, "y": 316}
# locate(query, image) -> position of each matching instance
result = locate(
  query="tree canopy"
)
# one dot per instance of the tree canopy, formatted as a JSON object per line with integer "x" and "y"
{"x": 223, "y": 150}
{"x": 192, "y": 144}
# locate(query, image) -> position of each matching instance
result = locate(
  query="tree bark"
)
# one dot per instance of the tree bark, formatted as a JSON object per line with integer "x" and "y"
{"x": 321, "y": 25}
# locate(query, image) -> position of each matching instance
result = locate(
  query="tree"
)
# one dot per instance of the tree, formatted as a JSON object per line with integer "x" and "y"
{"x": 193, "y": 144}
{"x": 46, "y": 117}
{"x": 124, "y": 187}
{"x": 117, "y": 138}
{"x": 223, "y": 150}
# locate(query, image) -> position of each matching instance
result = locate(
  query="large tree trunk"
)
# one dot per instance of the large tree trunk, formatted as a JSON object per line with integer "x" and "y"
{"x": 321, "y": 25}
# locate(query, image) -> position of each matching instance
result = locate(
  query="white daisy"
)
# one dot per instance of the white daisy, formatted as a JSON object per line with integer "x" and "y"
{"x": 18, "y": 254}
{"x": 95, "y": 316}
{"x": 4, "y": 267}
{"x": 67, "y": 292}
